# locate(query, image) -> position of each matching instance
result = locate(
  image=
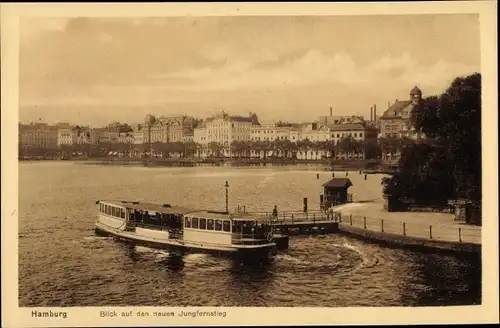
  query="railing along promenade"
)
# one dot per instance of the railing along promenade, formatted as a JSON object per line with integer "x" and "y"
{"x": 431, "y": 232}
{"x": 436, "y": 232}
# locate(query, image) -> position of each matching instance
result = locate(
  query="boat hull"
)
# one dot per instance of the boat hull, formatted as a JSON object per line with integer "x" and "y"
{"x": 185, "y": 247}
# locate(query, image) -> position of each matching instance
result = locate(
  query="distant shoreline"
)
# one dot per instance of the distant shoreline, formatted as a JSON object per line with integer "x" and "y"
{"x": 366, "y": 166}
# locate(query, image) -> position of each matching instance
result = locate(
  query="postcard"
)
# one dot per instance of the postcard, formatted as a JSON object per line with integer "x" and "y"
{"x": 249, "y": 164}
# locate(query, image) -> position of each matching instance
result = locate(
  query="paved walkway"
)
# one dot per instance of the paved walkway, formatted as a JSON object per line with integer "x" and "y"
{"x": 438, "y": 226}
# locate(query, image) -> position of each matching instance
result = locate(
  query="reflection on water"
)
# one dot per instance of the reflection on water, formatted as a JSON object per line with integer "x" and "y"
{"x": 62, "y": 263}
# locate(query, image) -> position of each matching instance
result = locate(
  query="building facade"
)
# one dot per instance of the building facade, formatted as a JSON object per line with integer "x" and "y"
{"x": 395, "y": 121}
{"x": 64, "y": 134}
{"x": 167, "y": 129}
{"x": 217, "y": 133}
{"x": 38, "y": 135}
{"x": 271, "y": 132}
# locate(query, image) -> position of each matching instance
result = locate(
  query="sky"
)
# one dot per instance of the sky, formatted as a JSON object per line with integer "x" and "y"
{"x": 97, "y": 70}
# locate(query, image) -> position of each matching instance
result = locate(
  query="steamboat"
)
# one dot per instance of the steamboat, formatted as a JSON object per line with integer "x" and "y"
{"x": 186, "y": 230}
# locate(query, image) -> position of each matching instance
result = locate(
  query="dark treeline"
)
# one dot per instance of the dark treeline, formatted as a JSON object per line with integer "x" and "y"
{"x": 347, "y": 147}
{"x": 444, "y": 164}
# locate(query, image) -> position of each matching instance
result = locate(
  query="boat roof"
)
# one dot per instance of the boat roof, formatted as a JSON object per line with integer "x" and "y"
{"x": 161, "y": 208}
{"x": 233, "y": 216}
{"x": 250, "y": 217}
{"x": 169, "y": 209}
{"x": 210, "y": 214}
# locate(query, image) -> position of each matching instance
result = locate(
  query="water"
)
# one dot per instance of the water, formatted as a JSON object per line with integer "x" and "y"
{"x": 62, "y": 262}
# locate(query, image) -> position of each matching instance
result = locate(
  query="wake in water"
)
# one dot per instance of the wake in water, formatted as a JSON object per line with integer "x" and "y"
{"x": 341, "y": 257}
{"x": 366, "y": 262}
{"x": 92, "y": 238}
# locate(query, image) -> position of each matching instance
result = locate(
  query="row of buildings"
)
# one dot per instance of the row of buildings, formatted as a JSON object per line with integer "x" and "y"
{"x": 224, "y": 129}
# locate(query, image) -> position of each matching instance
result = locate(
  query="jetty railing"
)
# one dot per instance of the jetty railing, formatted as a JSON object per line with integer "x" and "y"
{"x": 438, "y": 231}
{"x": 296, "y": 216}
{"x": 430, "y": 231}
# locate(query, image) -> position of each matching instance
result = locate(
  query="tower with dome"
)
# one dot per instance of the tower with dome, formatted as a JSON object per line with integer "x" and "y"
{"x": 395, "y": 121}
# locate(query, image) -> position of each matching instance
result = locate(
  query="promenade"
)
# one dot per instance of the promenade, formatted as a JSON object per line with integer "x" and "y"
{"x": 370, "y": 216}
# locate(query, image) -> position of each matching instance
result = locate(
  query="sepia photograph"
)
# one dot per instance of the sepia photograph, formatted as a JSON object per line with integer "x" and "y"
{"x": 174, "y": 166}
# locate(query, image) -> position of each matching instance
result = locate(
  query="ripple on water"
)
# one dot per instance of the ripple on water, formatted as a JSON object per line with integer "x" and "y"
{"x": 62, "y": 262}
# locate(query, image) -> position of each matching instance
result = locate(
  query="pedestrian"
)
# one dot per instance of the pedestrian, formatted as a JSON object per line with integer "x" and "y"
{"x": 275, "y": 212}
{"x": 330, "y": 212}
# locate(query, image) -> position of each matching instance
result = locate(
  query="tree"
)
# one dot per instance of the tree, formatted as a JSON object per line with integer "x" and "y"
{"x": 215, "y": 148}
{"x": 237, "y": 148}
{"x": 447, "y": 165}
{"x": 190, "y": 148}
{"x": 371, "y": 148}
{"x": 349, "y": 145}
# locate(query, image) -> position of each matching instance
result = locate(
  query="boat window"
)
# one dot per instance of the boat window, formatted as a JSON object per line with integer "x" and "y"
{"x": 106, "y": 209}
{"x": 203, "y": 223}
{"x": 113, "y": 211}
{"x": 210, "y": 224}
{"x": 123, "y": 213}
{"x": 194, "y": 223}
{"x": 218, "y": 225}
{"x": 187, "y": 223}
{"x": 236, "y": 226}
{"x": 226, "y": 225}
{"x": 165, "y": 220}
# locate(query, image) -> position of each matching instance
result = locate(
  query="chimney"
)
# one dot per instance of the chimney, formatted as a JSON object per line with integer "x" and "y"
{"x": 375, "y": 113}
{"x": 331, "y": 111}
{"x": 371, "y": 113}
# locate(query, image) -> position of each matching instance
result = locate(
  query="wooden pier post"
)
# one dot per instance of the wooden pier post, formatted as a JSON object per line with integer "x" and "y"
{"x": 366, "y": 176}
{"x": 460, "y": 234}
{"x": 244, "y": 209}
{"x": 292, "y": 218}
{"x": 382, "y": 224}
{"x": 404, "y": 229}
{"x": 430, "y": 232}
{"x": 364, "y": 221}
{"x": 317, "y": 176}
{"x": 350, "y": 219}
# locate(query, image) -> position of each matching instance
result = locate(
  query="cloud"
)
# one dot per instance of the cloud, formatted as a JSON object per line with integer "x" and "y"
{"x": 316, "y": 68}
{"x": 278, "y": 64}
{"x": 388, "y": 77}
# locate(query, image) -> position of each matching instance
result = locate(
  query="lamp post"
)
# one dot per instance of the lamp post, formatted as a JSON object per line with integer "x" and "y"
{"x": 227, "y": 196}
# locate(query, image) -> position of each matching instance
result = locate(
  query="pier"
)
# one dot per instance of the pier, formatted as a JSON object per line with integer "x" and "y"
{"x": 386, "y": 230}
{"x": 303, "y": 223}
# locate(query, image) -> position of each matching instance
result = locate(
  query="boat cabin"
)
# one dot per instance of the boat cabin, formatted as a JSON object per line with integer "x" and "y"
{"x": 145, "y": 215}
{"x": 224, "y": 228}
